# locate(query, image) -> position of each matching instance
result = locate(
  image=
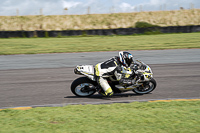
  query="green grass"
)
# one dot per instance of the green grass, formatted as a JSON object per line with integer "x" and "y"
{"x": 141, "y": 117}
{"x": 98, "y": 43}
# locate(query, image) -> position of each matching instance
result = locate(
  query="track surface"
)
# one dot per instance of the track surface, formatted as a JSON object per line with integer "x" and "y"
{"x": 41, "y": 86}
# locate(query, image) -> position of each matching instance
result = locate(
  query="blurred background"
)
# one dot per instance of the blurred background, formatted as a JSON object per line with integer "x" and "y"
{"x": 77, "y": 7}
{"x": 95, "y": 14}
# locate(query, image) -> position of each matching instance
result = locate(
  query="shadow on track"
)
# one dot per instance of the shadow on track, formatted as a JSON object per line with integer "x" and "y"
{"x": 98, "y": 96}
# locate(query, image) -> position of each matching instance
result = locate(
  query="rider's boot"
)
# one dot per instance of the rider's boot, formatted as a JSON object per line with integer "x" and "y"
{"x": 108, "y": 92}
{"x": 102, "y": 92}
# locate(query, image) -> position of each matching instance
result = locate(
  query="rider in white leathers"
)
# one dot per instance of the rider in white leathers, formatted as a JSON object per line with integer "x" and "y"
{"x": 113, "y": 67}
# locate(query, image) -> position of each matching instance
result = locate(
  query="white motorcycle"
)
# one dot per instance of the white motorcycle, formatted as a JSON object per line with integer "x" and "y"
{"x": 87, "y": 85}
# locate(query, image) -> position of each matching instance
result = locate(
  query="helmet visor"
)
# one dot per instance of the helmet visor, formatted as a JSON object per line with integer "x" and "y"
{"x": 129, "y": 61}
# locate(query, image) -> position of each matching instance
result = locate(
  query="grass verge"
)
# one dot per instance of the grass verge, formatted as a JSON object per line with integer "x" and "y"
{"x": 165, "y": 117}
{"x": 98, "y": 43}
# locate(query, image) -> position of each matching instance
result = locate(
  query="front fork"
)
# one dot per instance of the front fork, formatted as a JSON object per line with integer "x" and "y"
{"x": 144, "y": 86}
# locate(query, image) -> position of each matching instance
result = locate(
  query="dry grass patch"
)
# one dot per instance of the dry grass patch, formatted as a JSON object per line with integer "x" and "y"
{"x": 99, "y": 21}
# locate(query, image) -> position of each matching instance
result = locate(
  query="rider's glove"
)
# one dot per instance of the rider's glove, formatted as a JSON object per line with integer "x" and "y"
{"x": 135, "y": 67}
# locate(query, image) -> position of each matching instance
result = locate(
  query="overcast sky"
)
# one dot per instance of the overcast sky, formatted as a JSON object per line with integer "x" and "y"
{"x": 56, "y": 7}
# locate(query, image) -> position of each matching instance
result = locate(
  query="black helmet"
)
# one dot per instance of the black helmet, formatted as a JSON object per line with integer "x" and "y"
{"x": 125, "y": 58}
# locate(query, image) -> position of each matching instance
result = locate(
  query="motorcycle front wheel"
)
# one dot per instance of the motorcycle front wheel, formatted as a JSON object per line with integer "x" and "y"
{"x": 83, "y": 87}
{"x": 146, "y": 88}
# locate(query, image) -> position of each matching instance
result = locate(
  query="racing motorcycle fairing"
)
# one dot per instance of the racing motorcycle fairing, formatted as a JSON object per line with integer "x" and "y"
{"x": 87, "y": 70}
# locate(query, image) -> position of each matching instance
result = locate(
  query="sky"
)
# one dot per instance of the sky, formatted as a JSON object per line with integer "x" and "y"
{"x": 56, "y": 7}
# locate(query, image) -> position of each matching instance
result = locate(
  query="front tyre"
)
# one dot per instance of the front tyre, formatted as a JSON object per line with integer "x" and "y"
{"x": 83, "y": 87}
{"x": 146, "y": 88}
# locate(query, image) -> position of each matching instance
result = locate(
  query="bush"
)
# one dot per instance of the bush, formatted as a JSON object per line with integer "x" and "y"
{"x": 144, "y": 25}
{"x": 150, "y": 29}
{"x": 46, "y": 33}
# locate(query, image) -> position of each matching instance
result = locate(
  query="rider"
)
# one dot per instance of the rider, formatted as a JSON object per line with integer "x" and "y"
{"x": 113, "y": 67}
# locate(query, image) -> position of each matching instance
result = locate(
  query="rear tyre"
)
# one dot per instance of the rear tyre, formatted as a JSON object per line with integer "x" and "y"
{"x": 146, "y": 88}
{"x": 83, "y": 87}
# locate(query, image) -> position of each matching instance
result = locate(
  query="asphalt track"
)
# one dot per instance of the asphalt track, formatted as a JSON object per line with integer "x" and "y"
{"x": 45, "y": 79}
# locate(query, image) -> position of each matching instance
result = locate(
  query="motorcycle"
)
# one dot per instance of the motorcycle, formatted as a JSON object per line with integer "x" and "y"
{"x": 139, "y": 71}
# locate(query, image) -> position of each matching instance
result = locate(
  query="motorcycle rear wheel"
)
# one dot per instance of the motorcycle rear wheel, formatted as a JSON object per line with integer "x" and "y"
{"x": 146, "y": 88}
{"x": 80, "y": 86}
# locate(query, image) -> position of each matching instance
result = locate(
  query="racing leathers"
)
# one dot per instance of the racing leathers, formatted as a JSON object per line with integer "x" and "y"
{"x": 111, "y": 67}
